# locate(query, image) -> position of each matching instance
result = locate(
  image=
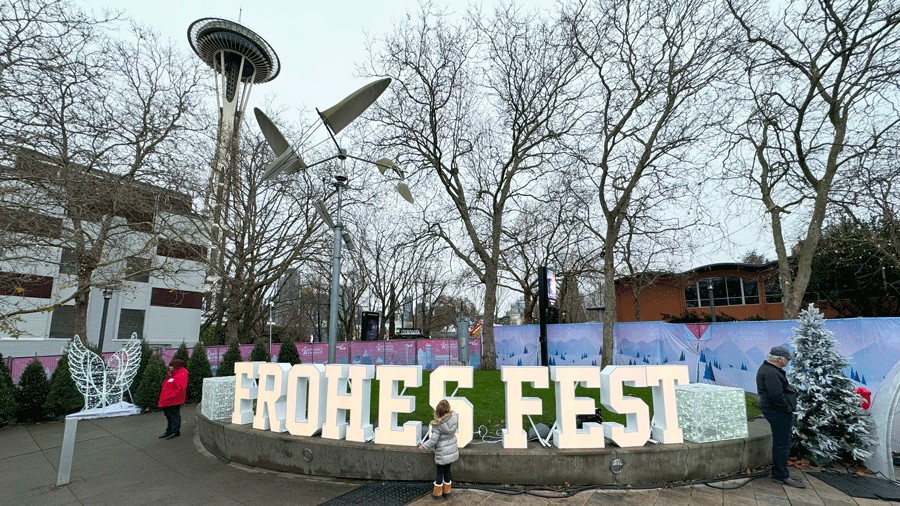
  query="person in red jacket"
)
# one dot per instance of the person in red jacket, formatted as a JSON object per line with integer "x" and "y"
{"x": 171, "y": 397}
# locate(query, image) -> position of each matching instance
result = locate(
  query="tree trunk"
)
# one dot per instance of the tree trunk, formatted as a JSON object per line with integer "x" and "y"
{"x": 637, "y": 303}
{"x": 609, "y": 300}
{"x": 488, "y": 351}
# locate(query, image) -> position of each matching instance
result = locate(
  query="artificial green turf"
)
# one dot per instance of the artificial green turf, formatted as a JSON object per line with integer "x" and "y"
{"x": 488, "y": 400}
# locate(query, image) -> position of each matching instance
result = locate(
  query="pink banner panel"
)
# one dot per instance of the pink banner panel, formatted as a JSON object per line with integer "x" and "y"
{"x": 18, "y": 365}
{"x": 429, "y": 353}
{"x": 367, "y": 352}
{"x": 432, "y": 353}
{"x": 400, "y": 352}
{"x": 215, "y": 353}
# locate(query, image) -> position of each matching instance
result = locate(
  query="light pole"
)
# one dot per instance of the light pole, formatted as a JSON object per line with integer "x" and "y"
{"x": 712, "y": 303}
{"x": 340, "y": 182}
{"x": 288, "y": 161}
{"x": 107, "y": 294}
{"x": 271, "y": 323}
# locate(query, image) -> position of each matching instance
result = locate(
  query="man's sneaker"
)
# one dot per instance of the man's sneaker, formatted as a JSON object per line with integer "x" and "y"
{"x": 790, "y": 482}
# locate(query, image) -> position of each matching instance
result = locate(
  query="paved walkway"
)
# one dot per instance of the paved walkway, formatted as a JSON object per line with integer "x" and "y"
{"x": 121, "y": 461}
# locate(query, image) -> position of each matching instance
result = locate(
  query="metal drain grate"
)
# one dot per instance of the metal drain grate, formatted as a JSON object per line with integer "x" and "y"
{"x": 383, "y": 493}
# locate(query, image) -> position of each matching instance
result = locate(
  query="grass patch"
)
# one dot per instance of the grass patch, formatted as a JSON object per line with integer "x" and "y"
{"x": 490, "y": 410}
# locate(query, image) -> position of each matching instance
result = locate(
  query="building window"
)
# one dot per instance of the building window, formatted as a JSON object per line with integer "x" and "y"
{"x": 751, "y": 292}
{"x": 68, "y": 262}
{"x": 62, "y": 322}
{"x": 690, "y": 295}
{"x": 14, "y": 284}
{"x": 167, "y": 297}
{"x": 131, "y": 321}
{"x": 773, "y": 289}
{"x": 182, "y": 250}
{"x": 137, "y": 269}
{"x": 726, "y": 292}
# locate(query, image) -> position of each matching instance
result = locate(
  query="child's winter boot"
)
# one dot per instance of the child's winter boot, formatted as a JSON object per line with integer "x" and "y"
{"x": 438, "y": 490}
{"x": 446, "y": 488}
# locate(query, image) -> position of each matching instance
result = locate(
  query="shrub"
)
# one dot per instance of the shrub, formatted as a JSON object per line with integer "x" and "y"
{"x": 146, "y": 353}
{"x": 288, "y": 353}
{"x": 232, "y": 355}
{"x": 5, "y": 376}
{"x": 260, "y": 352}
{"x": 198, "y": 368}
{"x": 182, "y": 353}
{"x": 7, "y": 395}
{"x": 32, "y": 392}
{"x": 146, "y": 395}
{"x": 64, "y": 397}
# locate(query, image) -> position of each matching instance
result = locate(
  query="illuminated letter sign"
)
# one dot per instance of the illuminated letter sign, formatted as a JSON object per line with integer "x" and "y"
{"x": 305, "y": 399}
{"x": 336, "y": 400}
{"x": 463, "y": 377}
{"x": 516, "y": 405}
{"x": 390, "y": 403}
{"x": 567, "y": 435}
{"x": 245, "y": 374}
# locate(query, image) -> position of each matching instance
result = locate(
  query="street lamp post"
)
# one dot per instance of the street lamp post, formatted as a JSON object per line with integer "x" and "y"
{"x": 107, "y": 294}
{"x": 340, "y": 183}
{"x": 271, "y": 323}
{"x": 287, "y": 161}
{"x": 712, "y": 303}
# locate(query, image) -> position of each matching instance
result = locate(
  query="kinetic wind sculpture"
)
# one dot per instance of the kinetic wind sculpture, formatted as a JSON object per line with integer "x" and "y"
{"x": 287, "y": 161}
{"x": 335, "y": 118}
{"x": 104, "y": 383}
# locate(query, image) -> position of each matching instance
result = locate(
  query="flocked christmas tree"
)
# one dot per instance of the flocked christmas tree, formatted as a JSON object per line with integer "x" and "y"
{"x": 829, "y": 422}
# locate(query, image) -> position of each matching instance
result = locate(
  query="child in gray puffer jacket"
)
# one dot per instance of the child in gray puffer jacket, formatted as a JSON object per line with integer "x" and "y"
{"x": 443, "y": 441}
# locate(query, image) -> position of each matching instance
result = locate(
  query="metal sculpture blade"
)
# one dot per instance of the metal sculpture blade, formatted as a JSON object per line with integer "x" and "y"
{"x": 103, "y": 384}
{"x": 344, "y": 112}
{"x": 385, "y": 164}
{"x": 286, "y": 159}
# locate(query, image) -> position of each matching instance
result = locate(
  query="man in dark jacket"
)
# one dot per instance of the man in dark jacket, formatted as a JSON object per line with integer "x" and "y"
{"x": 778, "y": 399}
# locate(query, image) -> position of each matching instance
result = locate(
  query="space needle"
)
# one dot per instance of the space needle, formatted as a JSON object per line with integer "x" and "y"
{"x": 240, "y": 58}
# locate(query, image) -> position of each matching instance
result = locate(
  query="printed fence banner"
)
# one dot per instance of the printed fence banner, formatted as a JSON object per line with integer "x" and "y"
{"x": 432, "y": 353}
{"x": 366, "y": 353}
{"x": 517, "y": 344}
{"x": 723, "y": 353}
{"x": 429, "y": 353}
{"x": 399, "y": 352}
{"x": 18, "y": 364}
{"x": 215, "y": 353}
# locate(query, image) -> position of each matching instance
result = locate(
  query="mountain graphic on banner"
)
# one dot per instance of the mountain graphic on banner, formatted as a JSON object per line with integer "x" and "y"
{"x": 697, "y": 329}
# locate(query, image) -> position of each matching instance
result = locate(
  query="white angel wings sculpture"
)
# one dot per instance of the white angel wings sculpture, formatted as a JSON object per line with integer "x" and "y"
{"x": 104, "y": 383}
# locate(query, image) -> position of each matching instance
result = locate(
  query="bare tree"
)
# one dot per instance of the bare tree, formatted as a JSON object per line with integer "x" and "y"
{"x": 272, "y": 227}
{"x": 822, "y": 85}
{"x": 475, "y": 107}
{"x": 547, "y": 229}
{"x": 870, "y": 198}
{"x": 116, "y": 120}
{"x": 653, "y": 68}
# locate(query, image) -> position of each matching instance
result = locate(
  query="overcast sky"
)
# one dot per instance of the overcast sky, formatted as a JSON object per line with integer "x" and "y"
{"x": 320, "y": 43}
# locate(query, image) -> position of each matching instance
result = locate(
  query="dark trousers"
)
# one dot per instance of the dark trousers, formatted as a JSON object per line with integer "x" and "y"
{"x": 781, "y": 424}
{"x": 443, "y": 474}
{"x": 173, "y": 417}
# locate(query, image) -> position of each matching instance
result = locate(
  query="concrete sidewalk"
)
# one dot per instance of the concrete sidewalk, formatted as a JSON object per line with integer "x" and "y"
{"x": 122, "y": 461}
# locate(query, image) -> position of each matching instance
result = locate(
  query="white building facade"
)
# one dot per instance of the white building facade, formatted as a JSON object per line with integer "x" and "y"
{"x": 150, "y": 276}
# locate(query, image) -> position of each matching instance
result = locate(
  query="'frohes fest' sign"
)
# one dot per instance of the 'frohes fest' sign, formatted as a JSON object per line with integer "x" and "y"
{"x": 305, "y": 399}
